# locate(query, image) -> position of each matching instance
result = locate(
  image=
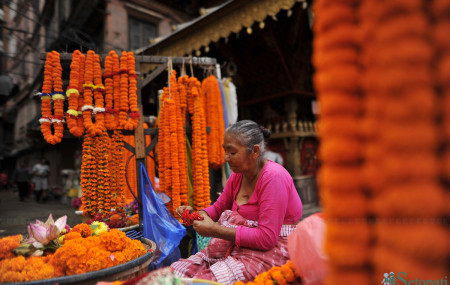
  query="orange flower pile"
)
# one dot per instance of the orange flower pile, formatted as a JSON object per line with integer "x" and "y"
{"x": 52, "y": 80}
{"x": 214, "y": 119}
{"x": 279, "y": 275}
{"x": 200, "y": 170}
{"x": 80, "y": 254}
{"x": 380, "y": 138}
{"x": 7, "y": 244}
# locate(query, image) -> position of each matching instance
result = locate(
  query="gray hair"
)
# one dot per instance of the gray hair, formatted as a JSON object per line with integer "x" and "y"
{"x": 249, "y": 133}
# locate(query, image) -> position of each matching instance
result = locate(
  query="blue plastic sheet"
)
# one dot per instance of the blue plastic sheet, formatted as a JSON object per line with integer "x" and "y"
{"x": 159, "y": 225}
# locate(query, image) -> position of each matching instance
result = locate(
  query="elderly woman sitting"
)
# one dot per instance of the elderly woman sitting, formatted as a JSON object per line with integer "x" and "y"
{"x": 257, "y": 210}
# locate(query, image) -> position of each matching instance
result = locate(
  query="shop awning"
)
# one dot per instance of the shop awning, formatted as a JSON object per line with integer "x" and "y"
{"x": 218, "y": 22}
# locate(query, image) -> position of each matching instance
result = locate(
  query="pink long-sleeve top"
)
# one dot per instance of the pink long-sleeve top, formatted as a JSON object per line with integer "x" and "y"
{"x": 274, "y": 202}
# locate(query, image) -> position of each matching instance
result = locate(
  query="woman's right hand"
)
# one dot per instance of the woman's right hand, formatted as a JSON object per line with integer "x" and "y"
{"x": 182, "y": 208}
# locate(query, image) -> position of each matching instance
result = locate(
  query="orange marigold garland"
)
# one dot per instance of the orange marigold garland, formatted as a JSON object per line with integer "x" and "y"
{"x": 79, "y": 130}
{"x": 106, "y": 197}
{"x": 116, "y": 84}
{"x": 214, "y": 119}
{"x": 52, "y": 74}
{"x": 133, "y": 121}
{"x": 110, "y": 122}
{"x": 99, "y": 90}
{"x": 88, "y": 86}
{"x": 46, "y": 107}
{"x": 72, "y": 92}
{"x": 200, "y": 171}
{"x": 123, "y": 114}
{"x": 89, "y": 177}
{"x": 182, "y": 153}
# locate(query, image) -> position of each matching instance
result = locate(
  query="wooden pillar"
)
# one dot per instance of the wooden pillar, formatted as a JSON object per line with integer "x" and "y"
{"x": 292, "y": 144}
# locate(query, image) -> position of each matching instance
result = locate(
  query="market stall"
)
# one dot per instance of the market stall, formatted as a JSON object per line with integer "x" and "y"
{"x": 104, "y": 106}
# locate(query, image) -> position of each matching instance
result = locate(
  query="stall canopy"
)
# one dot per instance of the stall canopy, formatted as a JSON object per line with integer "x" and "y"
{"x": 216, "y": 23}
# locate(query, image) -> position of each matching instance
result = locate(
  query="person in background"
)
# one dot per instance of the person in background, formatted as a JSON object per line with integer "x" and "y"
{"x": 40, "y": 172}
{"x": 274, "y": 156}
{"x": 22, "y": 179}
{"x": 4, "y": 180}
{"x": 258, "y": 209}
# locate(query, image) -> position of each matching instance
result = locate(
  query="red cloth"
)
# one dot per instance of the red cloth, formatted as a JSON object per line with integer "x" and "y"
{"x": 226, "y": 263}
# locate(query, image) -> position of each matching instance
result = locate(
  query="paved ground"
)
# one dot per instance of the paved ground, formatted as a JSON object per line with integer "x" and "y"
{"x": 15, "y": 216}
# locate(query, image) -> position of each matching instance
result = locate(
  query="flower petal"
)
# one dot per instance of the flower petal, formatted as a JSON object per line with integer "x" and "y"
{"x": 39, "y": 233}
{"x": 61, "y": 223}
{"x": 38, "y": 253}
{"x": 50, "y": 220}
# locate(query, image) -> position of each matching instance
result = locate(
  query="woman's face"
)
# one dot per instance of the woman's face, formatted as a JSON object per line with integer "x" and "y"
{"x": 237, "y": 156}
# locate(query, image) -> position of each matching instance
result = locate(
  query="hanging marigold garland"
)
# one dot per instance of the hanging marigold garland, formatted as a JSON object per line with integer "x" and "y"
{"x": 123, "y": 90}
{"x": 200, "y": 171}
{"x": 133, "y": 121}
{"x": 181, "y": 117}
{"x": 89, "y": 177}
{"x": 214, "y": 119}
{"x": 88, "y": 86}
{"x": 99, "y": 91}
{"x": 116, "y": 84}
{"x": 110, "y": 122}
{"x": 79, "y": 130}
{"x": 73, "y": 92}
{"x": 52, "y": 74}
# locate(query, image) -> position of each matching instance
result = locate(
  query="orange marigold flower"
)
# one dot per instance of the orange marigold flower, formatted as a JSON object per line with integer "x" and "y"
{"x": 84, "y": 229}
{"x": 7, "y": 244}
{"x": 72, "y": 235}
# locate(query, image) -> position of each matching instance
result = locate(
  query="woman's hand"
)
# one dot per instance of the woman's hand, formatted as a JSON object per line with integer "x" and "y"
{"x": 182, "y": 208}
{"x": 205, "y": 228}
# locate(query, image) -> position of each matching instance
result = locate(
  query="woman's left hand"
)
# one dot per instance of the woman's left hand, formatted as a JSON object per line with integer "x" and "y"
{"x": 206, "y": 227}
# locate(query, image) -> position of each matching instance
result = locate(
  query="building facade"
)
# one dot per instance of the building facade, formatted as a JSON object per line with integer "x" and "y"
{"x": 31, "y": 28}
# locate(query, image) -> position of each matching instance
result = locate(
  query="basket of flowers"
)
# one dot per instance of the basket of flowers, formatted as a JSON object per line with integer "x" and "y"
{"x": 125, "y": 220}
{"x": 54, "y": 253}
